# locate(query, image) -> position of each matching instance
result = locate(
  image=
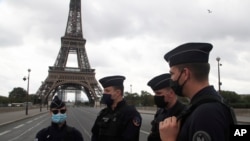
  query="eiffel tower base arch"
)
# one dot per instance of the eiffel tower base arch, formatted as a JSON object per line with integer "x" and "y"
{"x": 60, "y": 79}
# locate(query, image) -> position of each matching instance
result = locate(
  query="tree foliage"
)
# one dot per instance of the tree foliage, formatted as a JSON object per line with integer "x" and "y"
{"x": 236, "y": 100}
{"x": 245, "y": 98}
{"x": 17, "y": 95}
{"x": 146, "y": 99}
{"x": 230, "y": 96}
{"x": 34, "y": 99}
{"x": 132, "y": 98}
{"x": 4, "y": 100}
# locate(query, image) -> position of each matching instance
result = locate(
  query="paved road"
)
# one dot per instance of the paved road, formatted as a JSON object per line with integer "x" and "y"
{"x": 16, "y": 126}
{"x": 12, "y": 116}
{"x": 81, "y": 118}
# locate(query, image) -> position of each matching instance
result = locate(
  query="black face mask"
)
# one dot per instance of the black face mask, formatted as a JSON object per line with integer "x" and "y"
{"x": 106, "y": 99}
{"x": 177, "y": 88}
{"x": 159, "y": 101}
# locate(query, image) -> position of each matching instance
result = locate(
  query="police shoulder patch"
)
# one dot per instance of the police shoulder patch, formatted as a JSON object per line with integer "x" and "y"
{"x": 137, "y": 121}
{"x": 201, "y": 136}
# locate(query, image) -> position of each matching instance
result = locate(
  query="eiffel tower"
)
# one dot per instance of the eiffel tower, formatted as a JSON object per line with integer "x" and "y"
{"x": 71, "y": 78}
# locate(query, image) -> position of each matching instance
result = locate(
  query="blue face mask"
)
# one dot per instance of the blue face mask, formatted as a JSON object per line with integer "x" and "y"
{"x": 58, "y": 118}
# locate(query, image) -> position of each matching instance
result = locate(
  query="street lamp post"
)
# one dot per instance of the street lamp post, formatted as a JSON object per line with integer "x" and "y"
{"x": 40, "y": 102}
{"x": 130, "y": 88}
{"x": 28, "y": 78}
{"x": 219, "y": 83}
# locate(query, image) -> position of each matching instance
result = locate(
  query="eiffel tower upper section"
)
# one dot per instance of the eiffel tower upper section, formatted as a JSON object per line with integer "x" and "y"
{"x": 73, "y": 41}
{"x": 74, "y": 25}
{"x": 81, "y": 77}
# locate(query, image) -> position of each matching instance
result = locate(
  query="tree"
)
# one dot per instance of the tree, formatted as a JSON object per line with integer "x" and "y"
{"x": 4, "y": 100}
{"x": 17, "y": 95}
{"x": 230, "y": 96}
{"x": 132, "y": 98}
{"x": 245, "y": 98}
{"x": 147, "y": 99}
{"x": 34, "y": 98}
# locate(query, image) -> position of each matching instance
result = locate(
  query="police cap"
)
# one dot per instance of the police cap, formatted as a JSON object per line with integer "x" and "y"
{"x": 116, "y": 80}
{"x": 189, "y": 53}
{"x": 57, "y": 103}
{"x": 160, "y": 82}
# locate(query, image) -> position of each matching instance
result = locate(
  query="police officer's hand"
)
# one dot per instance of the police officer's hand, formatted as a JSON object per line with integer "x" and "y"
{"x": 169, "y": 129}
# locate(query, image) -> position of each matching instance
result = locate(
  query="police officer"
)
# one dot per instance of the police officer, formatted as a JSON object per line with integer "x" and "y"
{"x": 208, "y": 118}
{"x": 118, "y": 121}
{"x": 166, "y": 101}
{"x": 58, "y": 130}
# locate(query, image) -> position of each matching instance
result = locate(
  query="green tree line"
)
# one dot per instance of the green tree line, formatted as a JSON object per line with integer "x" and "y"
{"x": 147, "y": 99}
{"x": 18, "y": 95}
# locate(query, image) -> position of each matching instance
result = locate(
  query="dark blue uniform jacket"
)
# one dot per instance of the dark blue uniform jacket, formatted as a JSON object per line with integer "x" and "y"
{"x": 160, "y": 116}
{"x": 121, "y": 124}
{"x": 209, "y": 121}
{"x": 54, "y": 133}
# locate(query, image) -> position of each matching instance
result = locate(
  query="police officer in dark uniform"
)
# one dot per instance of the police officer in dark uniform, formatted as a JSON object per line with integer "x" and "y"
{"x": 208, "y": 118}
{"x": 166, "y": 101}
{"x": 58, "y": 130}
{"x": 118, "y": 121}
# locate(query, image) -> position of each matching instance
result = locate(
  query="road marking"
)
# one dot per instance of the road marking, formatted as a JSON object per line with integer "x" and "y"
{"x": 5, "y": 132}
{"x": 84, "y": 129}
{"x": 144, "y": 132}
{"x": 29, "y": 121}
{"x": 19, "y": 126}
{"x": 27, "y": 130}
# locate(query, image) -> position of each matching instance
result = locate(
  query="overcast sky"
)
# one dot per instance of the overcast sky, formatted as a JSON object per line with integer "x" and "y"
{"x": 124, "y": 37}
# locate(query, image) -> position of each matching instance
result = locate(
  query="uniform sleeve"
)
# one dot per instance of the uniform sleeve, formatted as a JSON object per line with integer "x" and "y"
{"x": 132, "y": 128}
{"x": 95, "y": 128}
{"x": 40, "y": 135}
{"x": 209, "y": 123}
{"x": 95, "y": 131}
{"x": 94, "y": 138}
{"x": 78, "y": 135}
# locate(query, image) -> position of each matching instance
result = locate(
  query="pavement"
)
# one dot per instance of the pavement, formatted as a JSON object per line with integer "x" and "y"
{"x": 9, "y": 117}
{"x": 243, "y": 119}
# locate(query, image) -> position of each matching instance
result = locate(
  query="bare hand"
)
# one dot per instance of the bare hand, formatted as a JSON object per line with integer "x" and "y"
{"x": 169, "y": 129}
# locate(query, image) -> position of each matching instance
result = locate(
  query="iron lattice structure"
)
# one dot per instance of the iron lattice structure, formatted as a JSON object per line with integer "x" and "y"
{"x": 81, "y": 77}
